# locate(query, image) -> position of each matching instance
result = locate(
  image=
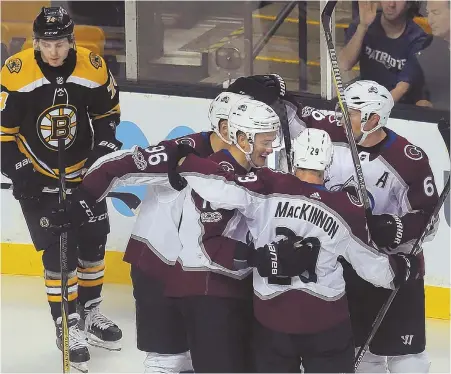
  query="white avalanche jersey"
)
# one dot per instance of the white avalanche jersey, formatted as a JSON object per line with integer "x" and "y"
{"x": 274, "y": 203}
{"x": 154, "y": 243}
{"x": 397, "y": 175}
{"x": 209, "y": 238}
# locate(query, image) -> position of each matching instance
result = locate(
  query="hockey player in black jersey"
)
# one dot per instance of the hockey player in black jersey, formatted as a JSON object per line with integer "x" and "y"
{"x": 51, "y": 90}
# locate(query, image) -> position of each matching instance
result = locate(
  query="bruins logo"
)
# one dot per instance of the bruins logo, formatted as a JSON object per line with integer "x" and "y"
{"x": 14, "y": 65}
{"x": 56, "y": 122}
{"x": 96, "y": 61}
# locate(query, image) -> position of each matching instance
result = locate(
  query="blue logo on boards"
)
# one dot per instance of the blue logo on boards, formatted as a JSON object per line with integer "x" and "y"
{"x": 130, "y": 134}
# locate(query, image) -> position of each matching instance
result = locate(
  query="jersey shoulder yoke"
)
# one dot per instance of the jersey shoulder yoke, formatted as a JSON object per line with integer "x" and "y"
{"x": 21, "y": 71}
{"x": 90, "y": 70}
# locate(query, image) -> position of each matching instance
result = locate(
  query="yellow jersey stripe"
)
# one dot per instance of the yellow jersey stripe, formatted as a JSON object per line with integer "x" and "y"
{"x": 57, "y": 282}
{"x": 90, "y": 283}
{"x": 7, "y": 138}
{"x": 10, "y": 130}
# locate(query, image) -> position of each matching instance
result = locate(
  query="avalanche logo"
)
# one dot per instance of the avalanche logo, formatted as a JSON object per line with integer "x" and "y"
{"x": 226, "y": 166}
{"x": 130, "y": 134}
{"x": 413, "y": 152}
{"x": 353, "y": 197}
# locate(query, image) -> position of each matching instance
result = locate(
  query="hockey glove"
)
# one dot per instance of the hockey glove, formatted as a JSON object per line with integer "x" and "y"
{"x": 27, "y": 182}
{"x": 175, "y": 154}
{"x": 273, "y": 82}
{"x": 386, "y": 230}
{"x": 255, "y": 89}
{"x": 243, "y": 256}
{"x": 101, "y": 149}
{"x": 287, "y": 258}
{"x": 75, "y": 212}
{"x": 407, "y": 268}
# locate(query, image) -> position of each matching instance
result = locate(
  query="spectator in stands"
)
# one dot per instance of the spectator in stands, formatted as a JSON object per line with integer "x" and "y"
{"x": 385, "y": 44}
{"x": 434, "y": 59}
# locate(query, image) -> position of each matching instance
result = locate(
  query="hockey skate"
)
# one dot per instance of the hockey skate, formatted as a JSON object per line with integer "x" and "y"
{"x": 78, "y": 348}
{"x": 99, "y": 330}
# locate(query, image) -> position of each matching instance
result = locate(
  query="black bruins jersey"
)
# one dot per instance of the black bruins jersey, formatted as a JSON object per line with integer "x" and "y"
{"x": 78, "y": 101}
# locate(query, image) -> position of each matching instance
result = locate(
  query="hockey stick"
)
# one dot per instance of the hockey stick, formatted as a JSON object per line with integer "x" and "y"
{"x": 444, "y": 132}
{"x": 64, "y": 266}
{"x": 129, "y": 199}
{"x": 326, "y": 20}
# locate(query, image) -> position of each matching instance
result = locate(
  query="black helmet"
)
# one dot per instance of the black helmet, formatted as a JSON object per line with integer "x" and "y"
{"x": 53, "y": 23}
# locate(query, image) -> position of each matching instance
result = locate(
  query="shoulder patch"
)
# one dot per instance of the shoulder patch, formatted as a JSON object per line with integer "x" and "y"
{"x": 226, "y": 166}
{"x": 21, "y": 70}
{"x": 96, "y": 61}
{"x": 189, "y": 141}
{"x": 413, "y": 152}
{"x": 14, "y": 65}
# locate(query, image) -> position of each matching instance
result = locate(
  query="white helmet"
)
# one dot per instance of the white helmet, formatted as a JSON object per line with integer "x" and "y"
{"x": 220, "y": 109}
{"x": 252, "y": 117}
{"x": 312, "y": 149}
{"x": 369, "y": 97}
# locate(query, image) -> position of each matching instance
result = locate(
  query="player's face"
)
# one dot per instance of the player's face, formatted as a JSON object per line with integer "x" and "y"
{"x": 54, "y": 52}
{"x": 356, "y": 120}
{"x": 439, "y": 18}
{"x": 263, "y": 147}
{"x": 223, "y": 128}
{"x": 393, "y": 10}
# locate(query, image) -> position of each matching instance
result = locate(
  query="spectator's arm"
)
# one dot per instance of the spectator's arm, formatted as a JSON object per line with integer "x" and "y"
{"x": 350, "y": 54}
{"x": 399, "y": 91}
{"x": 411, "y": 76}
{"x": 424, "y": 103}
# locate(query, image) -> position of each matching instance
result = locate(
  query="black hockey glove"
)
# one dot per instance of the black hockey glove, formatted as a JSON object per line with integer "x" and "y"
{"x": 77, "y": 210}
{"x": 101, "y": 149}
{"x": 27, "y": 182}
{"x": 274, "y": 82}
{"x": 175, "y": 154}
{"x": 255, "y": 89}
{"x": 386, "y": 230}
{"x": 407, "y": 268}
{"x": 288, "y": 257}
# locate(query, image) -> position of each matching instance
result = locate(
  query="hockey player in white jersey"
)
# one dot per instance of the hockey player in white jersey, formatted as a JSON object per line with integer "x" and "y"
{"x": 300, "y": 301}
{"x": 154, "y": 244}
{"x": 402, "y": 192}
{"x": 215, "y": 298}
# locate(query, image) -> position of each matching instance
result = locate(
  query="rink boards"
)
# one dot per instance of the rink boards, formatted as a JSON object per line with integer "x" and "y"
{"x": 147, "y": 119}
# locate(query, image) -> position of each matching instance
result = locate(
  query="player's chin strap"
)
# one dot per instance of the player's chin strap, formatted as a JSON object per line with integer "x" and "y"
{"x": 248, "y": 155}
{"x": 229, "y": 142}
{"x": 360, "y": 139}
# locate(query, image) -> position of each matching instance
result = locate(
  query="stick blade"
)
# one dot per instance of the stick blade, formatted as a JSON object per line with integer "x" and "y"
{"x": 327, "y": 12}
